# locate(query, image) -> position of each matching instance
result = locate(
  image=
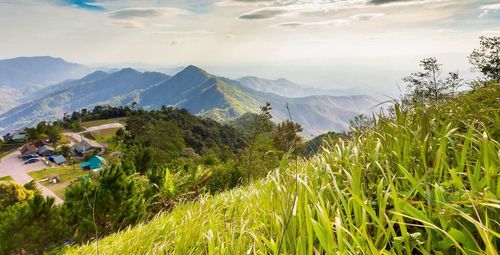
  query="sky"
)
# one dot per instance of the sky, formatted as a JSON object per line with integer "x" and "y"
{"x": 366, "y": 44}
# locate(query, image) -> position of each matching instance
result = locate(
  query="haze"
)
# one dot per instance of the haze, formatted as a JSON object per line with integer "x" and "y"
{"x": 368, "y": 44}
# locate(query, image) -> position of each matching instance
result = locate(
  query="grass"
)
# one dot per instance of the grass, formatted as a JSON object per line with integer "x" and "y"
{"x": 67, "y": 175}
{"x": 419, "y": 182}
{"x": 103, "y": 135}
{"x": 94, "y": 123}
{"x": 6, "y": 178}
{"x": 7, "y": 148}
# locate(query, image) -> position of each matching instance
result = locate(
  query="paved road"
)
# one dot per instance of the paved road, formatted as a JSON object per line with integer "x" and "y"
{"x": 12, "y": 166}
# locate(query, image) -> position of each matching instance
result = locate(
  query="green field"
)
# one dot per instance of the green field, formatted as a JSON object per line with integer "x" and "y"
{"x": 66, "y": 174}
{"x": 103, "y": 135}
{"x": 6, "y": 178}
{"x": 94, "y": 123}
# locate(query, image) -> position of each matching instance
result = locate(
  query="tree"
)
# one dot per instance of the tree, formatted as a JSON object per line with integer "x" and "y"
{"x": 360, "y": 122}
{"x": 29, "y": 228}
{"x": 12, "y": 193}
{"x": 257, "y": 142}
{"x": 286, "y": 136}
{"x": 426, "y": 86}
{"x": 54, "y": 133}
{"x": 108, "y": 202}
{"x": 486, "y": 59}
{"x": 65, "y": 150}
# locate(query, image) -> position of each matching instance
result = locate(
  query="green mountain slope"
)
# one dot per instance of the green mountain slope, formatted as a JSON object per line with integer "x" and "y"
{"x": 201, "y": 93}
{"x": 224, "y": 99}
{"x": 423, "y": 182}
{"x": 70, "y": 96}
{"x": 194, "y": 89}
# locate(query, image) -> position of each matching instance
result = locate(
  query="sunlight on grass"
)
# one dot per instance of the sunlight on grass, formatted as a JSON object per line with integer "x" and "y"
{"x": 422, "y": 182}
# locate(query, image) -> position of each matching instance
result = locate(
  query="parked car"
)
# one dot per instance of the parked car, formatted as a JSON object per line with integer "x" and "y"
{"x": 31, "y": 160}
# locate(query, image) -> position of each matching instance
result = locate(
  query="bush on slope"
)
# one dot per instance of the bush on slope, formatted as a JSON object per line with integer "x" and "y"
{"x": 423, "y": 182}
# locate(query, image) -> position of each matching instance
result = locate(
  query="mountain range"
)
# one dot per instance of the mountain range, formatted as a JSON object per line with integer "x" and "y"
{"x": 194, "y": 89}
{"x": 21, "y": 77}
{"x": 286, "y": 88}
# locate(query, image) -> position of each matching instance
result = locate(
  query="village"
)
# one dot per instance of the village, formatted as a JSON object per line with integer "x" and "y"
{"x": 53, "y": 166}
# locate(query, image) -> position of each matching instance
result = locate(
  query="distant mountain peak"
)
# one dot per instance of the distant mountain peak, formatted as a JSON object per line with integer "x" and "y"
{"x": 191, "y": 69}
{"x": 126, "y": 70}
{"x": 94, "y": 76}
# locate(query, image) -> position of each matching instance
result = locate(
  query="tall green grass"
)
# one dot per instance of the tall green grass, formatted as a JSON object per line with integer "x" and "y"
{"x": 421, "y": 182}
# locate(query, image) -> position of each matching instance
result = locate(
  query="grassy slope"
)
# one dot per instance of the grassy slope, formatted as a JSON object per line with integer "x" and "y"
{"x": 426, "y": 182}
{"x": 103, "y": 135}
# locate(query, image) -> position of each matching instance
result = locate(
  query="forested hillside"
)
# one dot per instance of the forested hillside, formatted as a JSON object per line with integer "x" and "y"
{"x": 419, "y": 181}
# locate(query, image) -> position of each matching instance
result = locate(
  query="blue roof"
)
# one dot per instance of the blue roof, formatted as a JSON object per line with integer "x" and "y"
{"x": 58, "y": 159}
{"x": 94, "y": 162}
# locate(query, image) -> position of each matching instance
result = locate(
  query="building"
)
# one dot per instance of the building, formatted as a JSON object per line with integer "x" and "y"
{"x": 94, "y": 163}
{"x": 18, "y": 136}
{"x": 45, "y": 151}
{"x": 87, "y": 146}
{"x": 58, "y": 159}
{"x": 29, "y": 151}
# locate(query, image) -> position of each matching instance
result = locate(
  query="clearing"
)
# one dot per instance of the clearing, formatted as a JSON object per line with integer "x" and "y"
{"x": 94, "y": 123}
{"x": 67, "y": 175}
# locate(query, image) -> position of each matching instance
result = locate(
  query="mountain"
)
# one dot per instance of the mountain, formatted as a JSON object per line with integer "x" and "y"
{"x": 201, "y": 93}
{"x": 8, "y": 98}
{"x": 30, "y": 72}
{"x": 224, "y": 99}
{"x": 284, "y": 87}
{"x": 21, "y": 77}
{"x": 94, "y": 89}
{"x": 192, "y": 88}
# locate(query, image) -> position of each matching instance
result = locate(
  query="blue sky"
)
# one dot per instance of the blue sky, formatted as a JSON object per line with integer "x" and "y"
{"x": 325, "y": 43}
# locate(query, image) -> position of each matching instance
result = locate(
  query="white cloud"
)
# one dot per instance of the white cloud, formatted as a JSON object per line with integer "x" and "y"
{"x": 488, "y": 8}
{"x": 146, "y": 12}
{"x": 195, "y": 32}
{"x": 296, "y": 24}
{"x": 367, "y": 16}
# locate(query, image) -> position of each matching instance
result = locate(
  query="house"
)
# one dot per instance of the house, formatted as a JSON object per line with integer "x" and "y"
{"x": 29, "y": 151}
{"x": 18, "y": 136}
{"x": 94, "y": 163}
{"x": 58, "y": 159}
{"x": 87, "y": 146}
{"x": 45, "y": 151}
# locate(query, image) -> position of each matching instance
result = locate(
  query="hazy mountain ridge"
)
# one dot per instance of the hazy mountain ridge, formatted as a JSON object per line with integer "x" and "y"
{"x": 286, "y": 88}
{"x": 192, "y": 88}
{"x": 26, "y": 72}
{"x": 79, "y": 94}
{"x": 23, "y": 77}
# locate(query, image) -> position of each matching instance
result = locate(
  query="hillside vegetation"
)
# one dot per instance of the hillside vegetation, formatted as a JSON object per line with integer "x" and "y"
{"x": 424, "y": 181}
